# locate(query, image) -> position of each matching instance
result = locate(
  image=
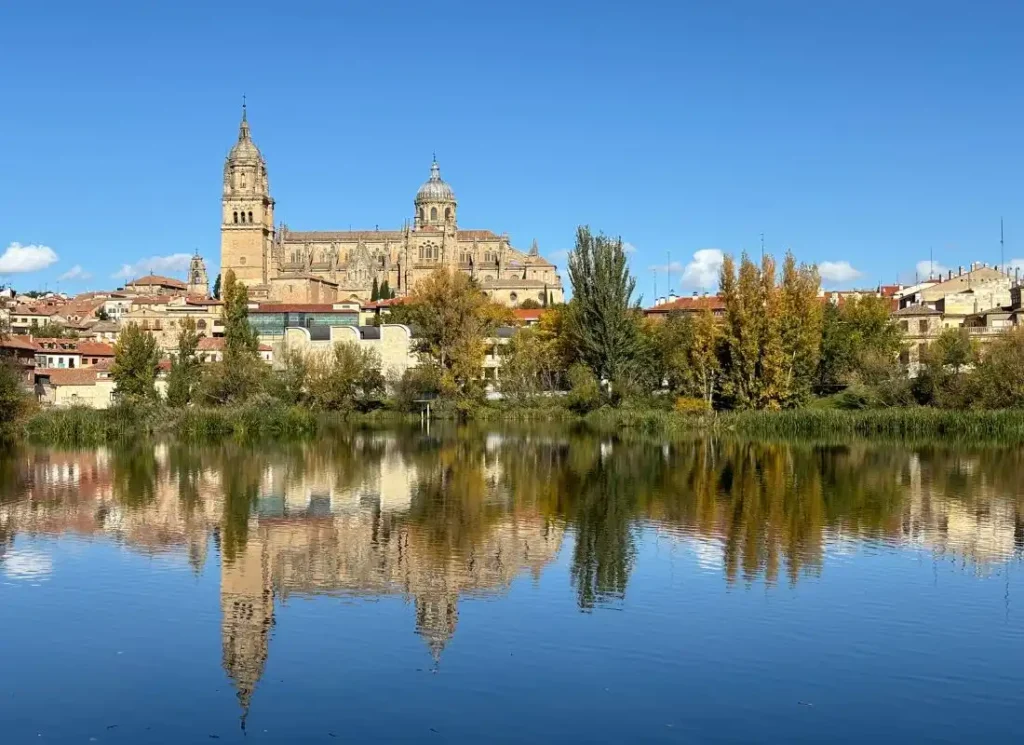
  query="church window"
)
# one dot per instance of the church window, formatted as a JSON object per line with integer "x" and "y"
{"x": 201, "y": 324}
{"x": 447, "y": 213}
{"x": 241, "y": 259}
{"x": 513, "y": 296}
{"x": 236, "y": 216}
{"x": 243, "y": 218}
{"x": 242, "y": 177}
{"x": 250, "y": 217}
{"x": 433, "y": 213}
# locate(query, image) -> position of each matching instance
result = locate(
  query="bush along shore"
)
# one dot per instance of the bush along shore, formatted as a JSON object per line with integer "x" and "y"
{"x": 79, "y": 427}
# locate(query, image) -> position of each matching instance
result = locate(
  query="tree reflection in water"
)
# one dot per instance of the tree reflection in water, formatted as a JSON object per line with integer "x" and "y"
{"x": 464, "y": 510}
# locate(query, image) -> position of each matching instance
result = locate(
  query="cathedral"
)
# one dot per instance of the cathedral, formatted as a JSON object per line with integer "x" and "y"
{"x": 282, "y": 265}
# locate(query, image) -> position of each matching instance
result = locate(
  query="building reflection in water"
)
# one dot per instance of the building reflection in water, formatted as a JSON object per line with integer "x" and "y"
{"x": 463, "y": 513}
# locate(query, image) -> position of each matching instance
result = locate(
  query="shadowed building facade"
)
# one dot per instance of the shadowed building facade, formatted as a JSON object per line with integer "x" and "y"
{"x": 279, "y": 264}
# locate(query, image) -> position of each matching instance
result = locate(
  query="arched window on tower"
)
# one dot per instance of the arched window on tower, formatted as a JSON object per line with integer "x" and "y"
{"x": 250, "y": 217}
{"x": 447, "y": 213}
{"x": 242, "y": 217}
{"x": 421, "y": 214}
{"x": 236, "y": 216}
{"x": 433, "y": 213}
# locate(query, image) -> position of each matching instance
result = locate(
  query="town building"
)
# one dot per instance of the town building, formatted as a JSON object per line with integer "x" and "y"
{"x": 277, "y": 263}
{"x": 71, "y": 353}
{"x": 163, "y": 316}
{"x": 87, "y": 386}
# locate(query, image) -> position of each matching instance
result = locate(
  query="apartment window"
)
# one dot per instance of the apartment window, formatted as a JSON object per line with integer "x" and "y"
{"x": 921, "y": 349}
{"x": 922, "y": 326}
{"x": 905, "y": 325}
{"x": 71, "y": 362}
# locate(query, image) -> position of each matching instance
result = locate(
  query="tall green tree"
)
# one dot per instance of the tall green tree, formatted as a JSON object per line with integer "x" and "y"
{"x": 216, "y": 287}
{"x": 374, "y": 291}
{"x": 385, "y": 290}
{"x": 602, "y": 321}
{"x": 241, "y": 374}
{"x": 183, "y": 379}
{"x": 136, "y": 358}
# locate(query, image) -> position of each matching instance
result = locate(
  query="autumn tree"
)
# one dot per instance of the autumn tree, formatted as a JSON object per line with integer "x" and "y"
{"x": 602, "y": 321}
{"x": 453, "y": 319}
{"x": 801, "y": 328}
{"x": 136, "y": 358}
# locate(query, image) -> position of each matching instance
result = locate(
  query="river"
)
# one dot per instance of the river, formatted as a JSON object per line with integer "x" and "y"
{"x": 511, "y": 585}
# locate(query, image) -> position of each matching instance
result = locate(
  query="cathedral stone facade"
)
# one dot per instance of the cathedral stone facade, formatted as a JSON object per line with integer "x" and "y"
{"x": 280, "y": 264}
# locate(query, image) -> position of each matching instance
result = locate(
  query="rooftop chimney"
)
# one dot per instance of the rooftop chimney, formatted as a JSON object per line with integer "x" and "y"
{"x": 959, "y": 271}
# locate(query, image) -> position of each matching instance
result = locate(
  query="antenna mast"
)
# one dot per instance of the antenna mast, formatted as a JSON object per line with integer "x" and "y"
{"x": 1002, "y": 246}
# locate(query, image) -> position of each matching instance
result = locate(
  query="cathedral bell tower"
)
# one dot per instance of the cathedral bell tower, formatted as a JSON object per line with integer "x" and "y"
{"x": 247, "y": 219}
{"x": 198, "y": 282}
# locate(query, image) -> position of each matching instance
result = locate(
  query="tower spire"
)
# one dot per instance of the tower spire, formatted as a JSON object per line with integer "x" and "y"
{"x": 243, "y": 128}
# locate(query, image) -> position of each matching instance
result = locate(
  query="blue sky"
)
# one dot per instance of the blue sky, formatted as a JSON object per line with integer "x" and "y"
{"x": 864, "y": 132}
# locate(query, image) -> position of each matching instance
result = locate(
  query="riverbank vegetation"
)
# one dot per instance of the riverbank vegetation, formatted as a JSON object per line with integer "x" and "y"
{"x": 772, "y": 359}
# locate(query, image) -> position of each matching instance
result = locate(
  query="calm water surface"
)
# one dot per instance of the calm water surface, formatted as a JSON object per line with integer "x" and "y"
{"x": 514, "y": 586}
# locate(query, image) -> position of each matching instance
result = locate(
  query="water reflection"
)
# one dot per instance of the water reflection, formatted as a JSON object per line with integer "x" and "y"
{"x": 434, "y": 519}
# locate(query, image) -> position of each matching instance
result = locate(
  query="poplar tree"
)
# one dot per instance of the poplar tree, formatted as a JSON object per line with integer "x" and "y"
{"x": 741, "y": 296}
{"x": 184, "y": 375}
{"x": 602, "y": 319}
{"x": 374, "y": 291}
{"x": 772, "y": 386}
{"x": 801, "y": 328}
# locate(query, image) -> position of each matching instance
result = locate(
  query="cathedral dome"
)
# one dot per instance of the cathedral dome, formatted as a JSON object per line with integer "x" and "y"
{"x": 435, "y": 189}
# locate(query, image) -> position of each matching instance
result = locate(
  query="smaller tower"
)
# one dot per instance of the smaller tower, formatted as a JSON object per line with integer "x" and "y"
{"x": 435, "y": 201}
{"x": 198, "y": 282}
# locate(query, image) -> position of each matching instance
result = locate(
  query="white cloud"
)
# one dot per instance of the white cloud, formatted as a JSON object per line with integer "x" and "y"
{"x": 927, "y": 268}
{"x": 628, "y": 247}
{"x": 75, "y": 273}
{"x": 18, "y": 258}
{"x": 703, "y": 270}
{"x": 700, "y": 273}
{"x": 838, "y": 272}
{"x": 154, "y": 265}
{"x": 1015, "y": 264}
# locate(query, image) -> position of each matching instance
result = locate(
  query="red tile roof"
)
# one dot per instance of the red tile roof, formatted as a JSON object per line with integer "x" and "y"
{"x": 95, "y": 348}
{"x": 70, "y": 376}
{"x": 156, "y": 279}
{"x": 13, "y": 341}
{"x": 529, "y": 314}
{"x": 709, "y": 302}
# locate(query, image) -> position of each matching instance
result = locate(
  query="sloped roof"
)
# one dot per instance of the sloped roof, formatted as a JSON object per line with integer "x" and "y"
{"x": 916, "y": 310}
{"x": 70, "y": 376}
{"x": 709, "y": 302}
{"x": 156, "y": 279}
{"x": 14, "y": 341}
